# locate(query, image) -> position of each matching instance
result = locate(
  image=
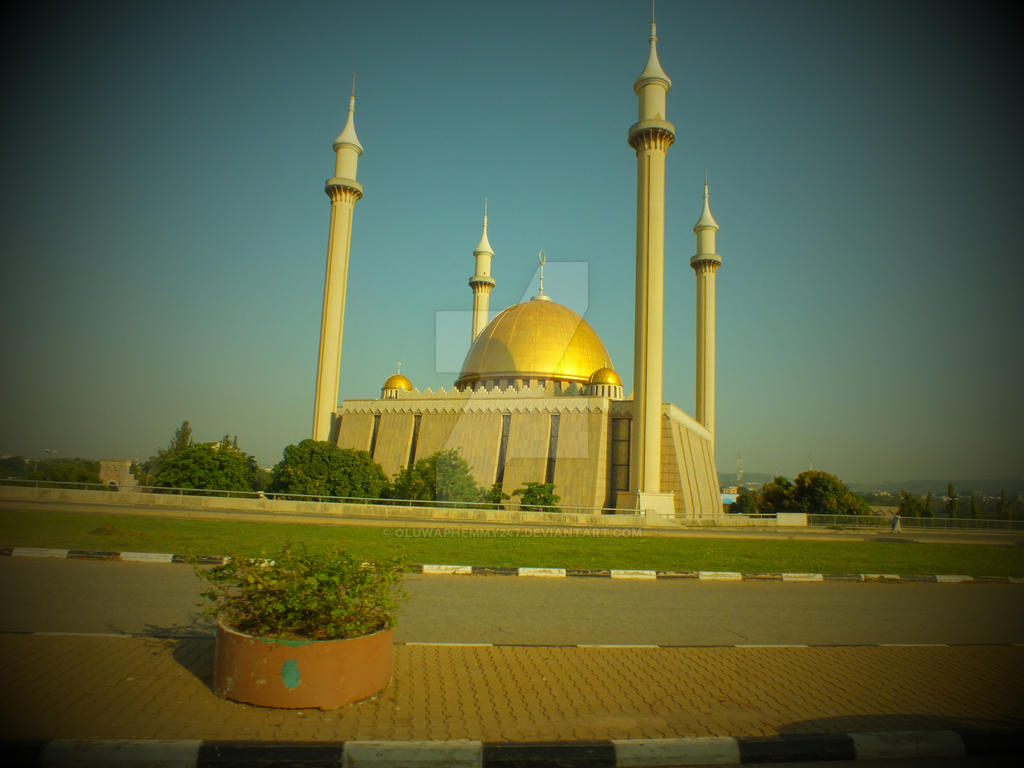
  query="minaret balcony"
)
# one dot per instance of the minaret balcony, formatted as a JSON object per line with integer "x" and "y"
{"x": 658, "y": 134}
{"x": 705, "y": 262}
{"x": 338, "y": 185}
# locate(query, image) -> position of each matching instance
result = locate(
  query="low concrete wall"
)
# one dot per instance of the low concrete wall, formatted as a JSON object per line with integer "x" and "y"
{"x": 170, "y": 502}
{"x": 792, "y": 519}
{"x": 747, "y": 521}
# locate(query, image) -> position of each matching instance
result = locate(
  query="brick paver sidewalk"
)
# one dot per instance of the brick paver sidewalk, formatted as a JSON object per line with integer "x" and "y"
{"x": 151, "y": 688}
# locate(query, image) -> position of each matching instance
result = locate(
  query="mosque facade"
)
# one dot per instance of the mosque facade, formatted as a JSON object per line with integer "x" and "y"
{"x": 537, "y": 398}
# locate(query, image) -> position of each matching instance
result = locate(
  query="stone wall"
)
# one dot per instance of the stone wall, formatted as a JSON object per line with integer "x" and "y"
{"x": 355, "y": 431}
{"x": 527, "y": 457}
{"x": 394, "y": 436}
{"x": 590, "y": 462}
{"x": 688, "y": 468}
{"x": 581, "y": 466}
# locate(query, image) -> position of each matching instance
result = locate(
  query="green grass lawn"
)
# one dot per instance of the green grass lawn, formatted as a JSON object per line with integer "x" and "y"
{"x": 497, "y": 547}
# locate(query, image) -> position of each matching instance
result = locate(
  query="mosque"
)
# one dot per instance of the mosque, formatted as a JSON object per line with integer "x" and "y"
{"x": 538, "y": 398}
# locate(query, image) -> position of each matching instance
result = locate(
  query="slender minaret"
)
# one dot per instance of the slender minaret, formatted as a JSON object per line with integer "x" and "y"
{"x": 344, "y": 191}
{"x": 705, "y": 263}
{"x": 650, "y": 137}
{"x": 481, "y": 282}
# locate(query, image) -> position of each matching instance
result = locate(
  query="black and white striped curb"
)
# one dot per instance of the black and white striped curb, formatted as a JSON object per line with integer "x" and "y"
{"x": 550, "y": 573}
{"x": 198, "y": 635}
{"x": 650, "y": 575}
{"x": 89, "y": 554}
{"x": 613, "y": 753}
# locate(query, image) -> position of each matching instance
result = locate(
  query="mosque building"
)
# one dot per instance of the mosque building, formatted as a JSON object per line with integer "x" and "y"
{"x": 538, "y": 398}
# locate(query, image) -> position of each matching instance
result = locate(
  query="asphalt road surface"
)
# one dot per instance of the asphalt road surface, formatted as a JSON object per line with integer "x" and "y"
{"x": 80, "y": 596}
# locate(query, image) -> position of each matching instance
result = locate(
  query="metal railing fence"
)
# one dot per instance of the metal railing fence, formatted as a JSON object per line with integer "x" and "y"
{"x": 873, "y": 521}
{"x": 914, "y": 523}
{"x": 264, "y": 495}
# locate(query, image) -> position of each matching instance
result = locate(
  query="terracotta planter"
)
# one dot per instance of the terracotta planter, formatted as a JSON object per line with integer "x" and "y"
{"x": 321, "y": 674}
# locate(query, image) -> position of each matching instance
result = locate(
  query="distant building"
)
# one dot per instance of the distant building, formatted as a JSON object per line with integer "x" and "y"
{"x": 117, "y": 473}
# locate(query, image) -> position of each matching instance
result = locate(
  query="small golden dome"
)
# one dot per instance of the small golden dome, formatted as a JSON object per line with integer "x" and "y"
{"x": 398, "y": 381}
{"x": 540, "y": 340}
{"x": 605, "y": 376}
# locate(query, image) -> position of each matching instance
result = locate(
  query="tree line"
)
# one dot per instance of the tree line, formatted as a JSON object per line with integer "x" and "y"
{"x": 822, "y": 493}
{"x": 321, "y": 468}
{"x": 954, "y": 504}
{"x": 813, "y": 492}
{"x": 52, "y": 469}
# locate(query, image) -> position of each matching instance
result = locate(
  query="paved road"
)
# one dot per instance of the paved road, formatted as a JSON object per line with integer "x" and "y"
{"x": 40, "y": 595}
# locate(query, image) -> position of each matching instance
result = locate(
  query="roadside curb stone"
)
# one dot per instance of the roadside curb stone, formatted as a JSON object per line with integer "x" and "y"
{"x": 634, "y": 574}
{"x": 465, "y": 753}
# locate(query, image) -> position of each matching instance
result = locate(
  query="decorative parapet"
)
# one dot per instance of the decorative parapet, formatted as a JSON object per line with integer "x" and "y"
{"x": 498, "y": 401}
{"x": 531, "y": 399}
{"x": 533, "y": 389}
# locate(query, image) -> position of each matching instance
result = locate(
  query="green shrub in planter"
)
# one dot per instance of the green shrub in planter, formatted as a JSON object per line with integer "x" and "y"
{"x": 295, "y": 594}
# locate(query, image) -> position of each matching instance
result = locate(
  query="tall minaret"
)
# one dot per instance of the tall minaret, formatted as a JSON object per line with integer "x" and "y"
{"x": 481, "y": 282}
{"x": 705, "y": 263}
{"x": 344, "y": 191}
{"x": 650, "y": 137}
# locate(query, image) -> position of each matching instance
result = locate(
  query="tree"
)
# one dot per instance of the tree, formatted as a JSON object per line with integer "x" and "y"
{"x": 148, "y": 470}
{"x": 67, "y": 471}
{"x": 537, "y": 497}
{"x": 14, "y": 466}
{"x": 909, "y": 505}
{"x": 495, "y": 495}
{"x": 1002, "y": 507}
{"x": 952, "y": 501}
{"x": 182, "y": 438}
{"x": 975, "y": 512}
{"x": 817, "y": 491}
{"x": 746, "y": 503}
{"x": 812, "y": 492}
{"x": 777, "y": 495}
{"x": 444, "y": 476}
{"x": 208, "y": 466}
{"x": 321, "y": 468}
{"x": 926, "y": 505}
{"x": 854, "y": 504}
{"x": 820, "y": 492}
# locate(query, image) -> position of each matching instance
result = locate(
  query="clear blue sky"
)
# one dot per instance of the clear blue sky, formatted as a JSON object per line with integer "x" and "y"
{"x": 164, "y": 220}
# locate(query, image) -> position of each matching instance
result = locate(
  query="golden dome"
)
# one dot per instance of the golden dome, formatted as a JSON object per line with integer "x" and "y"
{"x": 605, "y": 376}
{"x": 397, "y": 381}
{"x": 537, "y": 339}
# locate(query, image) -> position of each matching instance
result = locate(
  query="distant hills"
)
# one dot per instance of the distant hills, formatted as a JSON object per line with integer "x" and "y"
{"x": 985, "y": 486}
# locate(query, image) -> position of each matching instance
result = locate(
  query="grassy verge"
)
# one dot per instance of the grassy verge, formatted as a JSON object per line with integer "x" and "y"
{"x": 497, "y": 547}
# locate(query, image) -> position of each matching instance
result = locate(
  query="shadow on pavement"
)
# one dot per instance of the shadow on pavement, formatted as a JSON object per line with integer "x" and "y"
{"x": 900, "y": 722}
{"x": 190, "y": 647}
